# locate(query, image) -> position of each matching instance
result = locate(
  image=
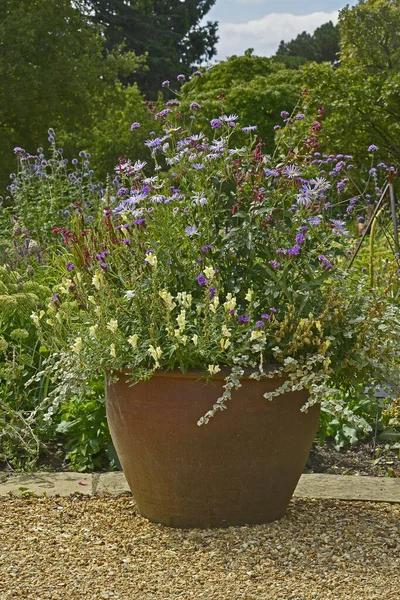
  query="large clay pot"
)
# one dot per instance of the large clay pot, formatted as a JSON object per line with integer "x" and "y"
{"x": 242, "y": 467}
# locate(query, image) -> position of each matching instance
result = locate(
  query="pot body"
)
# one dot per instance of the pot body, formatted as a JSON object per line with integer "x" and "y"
{"x": 240, "y": 468}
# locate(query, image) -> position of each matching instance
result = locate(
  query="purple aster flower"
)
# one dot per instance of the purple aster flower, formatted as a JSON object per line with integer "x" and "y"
{"x": 265, "y": 317}
{"x": 135, "y": 126}
{"x": 181, "y": 77}
{"x": 156, "y": 143}
{"x": 260, "y": 323}
{"x": 70, "y": 267}
{"x": 195, "y": 106}
{"x": 291, "y": 171}
{"x": 271, "y": 172}
{"x": 191, "y": 230}
{"x": 216, "y": 123}
{"x": 349, "y": 209}
{"x": 198, "y": 166}
{"x": 373, "y": 148}
{"x": 163, "y": 113}
{"x": 275, "y": 264}
{"x": 315, "y": 221}
{"x": 165, "y": 83}
{"x": 339, "y": 227}
{"x": 249, "y": 128}
{"x": 304, "y": 228}
{"x": 300, "y": 117}
{"x": 201, "y": 280}
{"x": 304, "y": 197}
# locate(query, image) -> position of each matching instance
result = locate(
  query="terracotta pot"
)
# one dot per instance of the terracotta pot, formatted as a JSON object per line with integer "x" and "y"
{"x": 242, "y": 467}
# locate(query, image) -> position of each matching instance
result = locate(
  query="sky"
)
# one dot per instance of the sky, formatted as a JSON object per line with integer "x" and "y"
{"x": 262, "y": 24}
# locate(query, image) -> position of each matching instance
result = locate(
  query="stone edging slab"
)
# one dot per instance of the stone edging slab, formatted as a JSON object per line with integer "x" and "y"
{"x": 339, "y": 487}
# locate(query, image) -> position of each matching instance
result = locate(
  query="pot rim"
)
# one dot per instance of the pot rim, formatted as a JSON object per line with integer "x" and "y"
{"x": 200, "y": 374}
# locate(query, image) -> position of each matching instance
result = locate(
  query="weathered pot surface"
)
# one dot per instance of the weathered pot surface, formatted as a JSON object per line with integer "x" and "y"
{"x": 240, "y": 468}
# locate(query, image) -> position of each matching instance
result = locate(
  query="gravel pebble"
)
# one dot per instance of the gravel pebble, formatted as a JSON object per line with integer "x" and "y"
{"x": 100, "y": 548}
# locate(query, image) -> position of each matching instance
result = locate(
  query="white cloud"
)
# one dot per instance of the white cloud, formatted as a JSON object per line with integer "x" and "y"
{"x": 249, "y": 1}
{"x": 265, "y": 34}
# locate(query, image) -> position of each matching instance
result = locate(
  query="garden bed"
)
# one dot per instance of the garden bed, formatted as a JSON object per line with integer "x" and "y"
{"x": 364, "y": 458}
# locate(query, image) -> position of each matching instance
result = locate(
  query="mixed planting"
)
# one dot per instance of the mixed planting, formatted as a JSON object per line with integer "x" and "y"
{"x": 210, "y": 249}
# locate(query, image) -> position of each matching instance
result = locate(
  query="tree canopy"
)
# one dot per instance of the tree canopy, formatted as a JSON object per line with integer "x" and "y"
{"x": 361, "y": 98}
{"x": 168, "y": 31}
{"x": 321, "y": 46}
{"x": 53, "y": 72}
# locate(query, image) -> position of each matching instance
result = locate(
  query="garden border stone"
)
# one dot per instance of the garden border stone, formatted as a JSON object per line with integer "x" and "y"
{"x": 317, "y": 485}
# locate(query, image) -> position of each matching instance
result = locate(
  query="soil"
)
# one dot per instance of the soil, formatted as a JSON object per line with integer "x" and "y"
{"x": 381, "y": 460}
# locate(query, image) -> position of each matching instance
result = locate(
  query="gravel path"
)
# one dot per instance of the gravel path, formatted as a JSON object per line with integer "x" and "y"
{"x": 94, "y": 548}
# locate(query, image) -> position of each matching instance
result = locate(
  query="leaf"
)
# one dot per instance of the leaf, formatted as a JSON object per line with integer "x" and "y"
{"x": 390, "y": 435}
{"x": 66, "y": 426}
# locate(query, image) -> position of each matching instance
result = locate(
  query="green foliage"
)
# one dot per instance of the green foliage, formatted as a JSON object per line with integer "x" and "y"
{"x": 24, "y": 432}
{"x": 254, "y": 87}
{"x": 84, "y": 425}
{"x": 109, "y": 136}
{"x": 321, "y": 46}
{"x": 361, "y": 98}
{"x": 169, "y": 31}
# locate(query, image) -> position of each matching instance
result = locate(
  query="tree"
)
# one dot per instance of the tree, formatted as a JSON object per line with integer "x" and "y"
{"x": 321, "y": 46}
{"x": 53, "y": 72}
{"x": 362, "y": 97}
{"x": 169, "y": 31}
{"x": 254, "y": 87}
